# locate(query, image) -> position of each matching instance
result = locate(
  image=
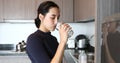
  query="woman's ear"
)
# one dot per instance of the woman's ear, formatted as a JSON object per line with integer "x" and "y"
{"x": 41, "y": 17}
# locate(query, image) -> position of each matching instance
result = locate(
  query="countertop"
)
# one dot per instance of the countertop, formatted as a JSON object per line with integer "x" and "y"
{"x": 70, "y": 56}
{"x": 12, "y": 53}
{"x": 67, "y": 54}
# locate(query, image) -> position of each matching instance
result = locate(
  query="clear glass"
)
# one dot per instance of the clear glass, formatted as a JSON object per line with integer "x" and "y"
{"x": 70, "y": 32}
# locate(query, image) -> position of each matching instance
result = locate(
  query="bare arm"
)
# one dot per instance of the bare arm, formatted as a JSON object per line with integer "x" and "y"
{"x": 64, "y": 28}
{"x": 105, "y": 34}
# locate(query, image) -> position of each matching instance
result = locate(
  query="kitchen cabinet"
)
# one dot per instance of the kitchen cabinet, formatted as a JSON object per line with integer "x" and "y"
{"x": 19, "y": 9}
{"x": 67, "y": 10}
{"x": 84, "y": 9}
{"x": 27, "y": 9}
{"x": 30, "y": 11}
{"x": 1, "y": 10}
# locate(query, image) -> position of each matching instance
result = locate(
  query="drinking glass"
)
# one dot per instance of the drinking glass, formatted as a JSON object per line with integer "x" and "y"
{"x": 70, "y": 32}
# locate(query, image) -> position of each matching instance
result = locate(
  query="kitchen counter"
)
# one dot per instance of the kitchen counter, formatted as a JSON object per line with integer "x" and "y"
{"x": 70, "y": 56}
{"x": 8, "y": 56}
{"x": 12, "y": 53}
{"x": 18, "y": 56}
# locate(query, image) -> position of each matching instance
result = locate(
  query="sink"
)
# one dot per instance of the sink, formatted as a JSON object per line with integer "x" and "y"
{"x": 74, "y": 57}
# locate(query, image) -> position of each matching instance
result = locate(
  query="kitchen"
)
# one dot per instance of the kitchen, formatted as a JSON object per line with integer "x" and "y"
{"x": 17, "y": 16}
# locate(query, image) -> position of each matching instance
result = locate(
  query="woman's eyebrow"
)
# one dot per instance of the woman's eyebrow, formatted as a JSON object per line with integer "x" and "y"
{"x": 54, "y": 15}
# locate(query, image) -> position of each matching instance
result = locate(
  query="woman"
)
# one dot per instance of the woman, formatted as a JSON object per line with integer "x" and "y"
{"x": 111, "y": 40}
{"x": 42, "y": 47}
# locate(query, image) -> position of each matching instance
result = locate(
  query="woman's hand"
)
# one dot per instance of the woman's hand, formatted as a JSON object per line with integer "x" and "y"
{"x": 105, "y": 29}
{"x": 63, "y": 31}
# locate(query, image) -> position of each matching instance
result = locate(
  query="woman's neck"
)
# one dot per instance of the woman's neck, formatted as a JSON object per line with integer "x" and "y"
{"x": 43, "y": 29}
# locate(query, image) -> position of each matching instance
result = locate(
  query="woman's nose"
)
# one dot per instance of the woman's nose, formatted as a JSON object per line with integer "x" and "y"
{"x": 56, "y": 20}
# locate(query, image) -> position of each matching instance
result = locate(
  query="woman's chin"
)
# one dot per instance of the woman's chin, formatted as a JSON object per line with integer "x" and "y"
{"x": 52, "y": 29}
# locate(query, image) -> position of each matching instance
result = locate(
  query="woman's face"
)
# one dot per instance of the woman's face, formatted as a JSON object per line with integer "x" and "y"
{"x": 112, "y": 27}
{"x": 49, "y": 21}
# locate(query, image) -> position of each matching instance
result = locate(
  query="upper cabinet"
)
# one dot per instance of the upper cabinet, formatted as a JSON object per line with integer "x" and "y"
{"x": 84, "y": 9}
{"x": 1, "y": 10}
{"x": 19, "y": 9}
{"x": 71, "y": 10}
{"x": 27, "y": 9}
{"x": 67, "y": 10}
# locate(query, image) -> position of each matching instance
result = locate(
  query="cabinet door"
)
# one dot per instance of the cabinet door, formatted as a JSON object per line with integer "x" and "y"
{"x": 67, "y": 10}
{"x": 1, "y": 10}
{"x": 84, "y": 9}
{"x": 29, "y": 9}
{"x": 19, "y": 9}
{"x": 14, "y": 9}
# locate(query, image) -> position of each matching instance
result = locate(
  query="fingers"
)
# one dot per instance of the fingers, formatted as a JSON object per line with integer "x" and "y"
{"x": 66, "y": 27}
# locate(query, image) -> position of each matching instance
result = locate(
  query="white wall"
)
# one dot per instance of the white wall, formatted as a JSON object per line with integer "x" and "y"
{"x": 12, "y": 33}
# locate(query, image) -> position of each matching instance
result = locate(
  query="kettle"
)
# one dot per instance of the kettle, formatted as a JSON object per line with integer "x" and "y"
{"x": 81, "y": 42}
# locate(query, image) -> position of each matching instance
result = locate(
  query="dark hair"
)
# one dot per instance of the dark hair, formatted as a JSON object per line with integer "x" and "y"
{"x": 43, "y": 9}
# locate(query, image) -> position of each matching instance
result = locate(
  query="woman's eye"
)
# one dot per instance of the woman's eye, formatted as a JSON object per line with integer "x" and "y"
{"x": 52, "y": 17}
{"x": 58, "y": 18}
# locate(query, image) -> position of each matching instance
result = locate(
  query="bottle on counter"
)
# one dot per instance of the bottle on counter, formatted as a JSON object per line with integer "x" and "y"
{"x": 82, "y": 57}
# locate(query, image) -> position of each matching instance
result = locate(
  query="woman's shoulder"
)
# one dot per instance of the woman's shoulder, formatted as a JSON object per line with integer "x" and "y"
{"x": 35, "y": 37}
{"x": 35, "y": 34}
